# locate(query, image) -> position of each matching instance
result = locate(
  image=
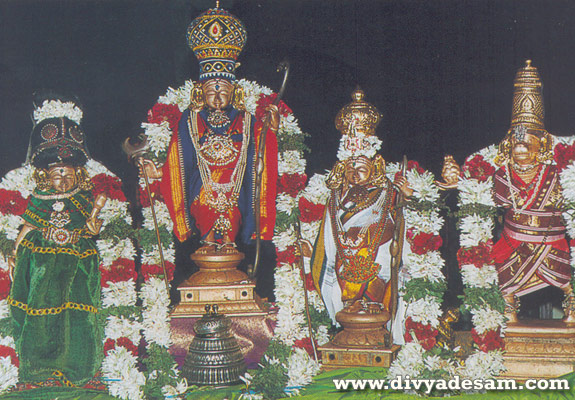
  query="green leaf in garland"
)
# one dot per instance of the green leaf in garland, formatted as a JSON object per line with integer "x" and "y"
{"x": 418, "y": 288}
{"x": 6, "y": 327}
{"x": 118, "y": 229}
{"x": 476, "y": 297}
{"x": 160, "y": 360}
{"x": 293, "y": 142}
{"x": 480, "y": 209}
{"x": 285, "y": 221}
{"x": 6, "y": 245}
{"x": 148, "y": 239}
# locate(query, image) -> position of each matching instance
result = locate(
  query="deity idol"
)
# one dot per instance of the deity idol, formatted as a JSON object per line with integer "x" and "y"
{"x": 55, "y": 293}
{"x": 532, "y": 253}
{"x": 208, "y": 178}
{"x": 351, "y": 262}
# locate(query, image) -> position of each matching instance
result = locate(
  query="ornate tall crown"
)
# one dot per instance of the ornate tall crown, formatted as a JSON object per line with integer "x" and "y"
{"x": 217, "y": 39}
{"x": 528, "y": 110}
{"x": 357, "y": 122}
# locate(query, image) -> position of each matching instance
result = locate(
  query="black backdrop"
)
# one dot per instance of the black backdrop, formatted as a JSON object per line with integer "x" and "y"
{"x": 440, "y": 72}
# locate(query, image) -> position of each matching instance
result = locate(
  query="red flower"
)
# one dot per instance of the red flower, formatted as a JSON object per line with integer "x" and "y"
{"x": 156, "y": 192}
{"x": 415, "y": 165}
{"x": 165, "y": 112}
{"x": 423, "y": 242}
{"x": 121, "y": 270}
{"x": 424, "y": 334}
{"x": 7, "y": 351}
{"x": 149, "y": 270}
{"x": 308, "y": 281}
{"x": 110, "y": 344}
{"x": 4, "y": 284}
{"x": 288, "y": 256}
{"x": 264, "y": 101}
{"x": 488, "y": 341}
{"x": 291, "y": 184}
{"x": 310, "y": 212}
{"x": 564, "y": 155}
{"x": 478, "y": 168}
{"x": 305, "y": 344}
{"x": 12, "y": 202}
{"x": 109, "y": 185}
{"x": 477, "y": 255}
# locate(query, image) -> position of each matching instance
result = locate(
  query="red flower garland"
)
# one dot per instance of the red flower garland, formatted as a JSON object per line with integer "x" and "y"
{"x": 264, "y": 101}
{"x": 123, "y": 341}
{"x": 5, "y": 284}
{"x": 149, "y": 270}
{"x": 564, "y": 155}
{"x": 165, "y": 112}
{"x": 288, "y": 256}
{"x": 121, "y": 270}
{"x": 479, "y": 255}
{"x": 423, "y": 242}
{"x": 305, "y": 344}
{"x": 478, "y": 168}
{"x": 489, "y": 340}
{"x": 109, "y": 185}
{"x": 12, "y": 202}
{"x": 291, "y": 184}
{"x": 310, "y": 212}
{"x": 7, "y": 351}
{"x": 155, "y": 189}
{"x": 425, "y": 334}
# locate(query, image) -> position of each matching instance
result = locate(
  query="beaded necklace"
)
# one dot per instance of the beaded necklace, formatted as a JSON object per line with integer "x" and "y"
{"x": 535, "y": 184}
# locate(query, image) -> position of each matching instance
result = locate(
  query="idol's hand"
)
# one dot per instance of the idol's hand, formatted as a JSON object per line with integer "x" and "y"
{"x": 274, "y": 115}
{"x": 402, "y": 185}
{"x": 450, "y": 174}
{"x": 93, "y": 226}
{"x": 149, "y": 168}
{"x": 11, "y": 266}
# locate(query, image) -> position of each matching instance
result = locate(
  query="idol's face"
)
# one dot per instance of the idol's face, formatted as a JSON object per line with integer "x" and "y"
{"x": 524, "y": 151}
{"x": 62, "y": 178}
{"x": 358, "y": 171}
{"x": 218, "y": 93}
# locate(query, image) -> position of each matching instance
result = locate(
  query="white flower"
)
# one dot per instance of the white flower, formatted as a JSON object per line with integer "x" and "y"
{"x": 57, "y": 109}
{"x": 20, "y": 179}
{"x": 301, "y": 368}
{"x": 119, "y": 294}
{"x": 114, "y": 209}
{"x": 171, "y": 392}
{"x": 291, "y": 162}
{"x": 153, "y": 293}
{"x": 4, "y": 309}
{"x": 289, "y": 126}
{"x": 252, "y": 91}
{"x": 391, "y": 170}
{"x": 310, "y": 230}
{"x": 316, "y": 190}
{"x": 322, "y": 335}
{"x": 290, "y": 325}
{"x": 472, "y": 191}
{"x": 426, "y": 266}
{"x": 152, "y": 257}
{"x": 158, "y": 135}
{"x": 3, "y": 263}
{"x": 117, "y": 327}
{"x": 423, "y": 221}
{"x": 567, "y": 178}
{"x": 488, "y": 153}
{"x": 409, "y": 362}
{"x": 110, "y": 251}
{"x": 179, "y": 96}
{"x": 123, "y": 378}
{"x": 284, "y": 239}
{"x": 483, "y": 277}
{"x": 156, "y": 326}
{"x": 286, "y": 203}
{"x": 423, "y": 185}
{"x": 426, "y": 311}
{"x": 487, "y": 319}
{"x": 482, "y": 365}
{"x": 162, "y": 216}
{"x": 8, "y": 374}
{"x": 10, "y": 224}
{"x": 358, "y": 145}
{"x": 96, "y": 168}
{"x": 7, "y": 341}
{"x": 475, "y": 229}
{"x": 434, "y": 363}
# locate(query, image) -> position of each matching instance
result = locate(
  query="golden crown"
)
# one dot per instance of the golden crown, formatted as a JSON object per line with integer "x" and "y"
{"x": 528, "y": 110}
{"x": 217, "y": 39}
{"x": 358, "y": 113}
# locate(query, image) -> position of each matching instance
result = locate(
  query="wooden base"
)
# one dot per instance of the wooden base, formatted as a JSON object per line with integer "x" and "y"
{"x": 233, "y": 299}
{"x": 335, "y": 357}
{"x": 539, "y": 349}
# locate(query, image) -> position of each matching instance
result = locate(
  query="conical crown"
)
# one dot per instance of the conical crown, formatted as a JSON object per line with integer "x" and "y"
{"x": 528, "y": 110}
{"x": 217, "y": 39}
{"x": 356, "y": 114}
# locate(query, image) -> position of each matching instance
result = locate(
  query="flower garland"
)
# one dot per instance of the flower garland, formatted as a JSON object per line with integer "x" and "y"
{"x": 58, "y": 109}
{"x": 422, "y": 356}
{"x": 161, "y": 124}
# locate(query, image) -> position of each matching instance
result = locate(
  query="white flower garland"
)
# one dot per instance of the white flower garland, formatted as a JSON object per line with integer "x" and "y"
{"x": 58, "y": 109}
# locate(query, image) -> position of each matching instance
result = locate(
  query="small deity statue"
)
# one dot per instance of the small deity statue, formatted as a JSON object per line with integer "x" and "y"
{"x": 351, "y": 258}
{"x": 55, "y": 293}
{"x": 532, "y": 252}
{"x": 208, "y": 178}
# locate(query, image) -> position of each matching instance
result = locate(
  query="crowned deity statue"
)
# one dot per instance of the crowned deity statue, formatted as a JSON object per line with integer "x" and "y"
{"x": 351, "y": 261}
{"x": 55, "y": 293}
{"x": 208, "y": 180}
{"x": 532, "y": 252}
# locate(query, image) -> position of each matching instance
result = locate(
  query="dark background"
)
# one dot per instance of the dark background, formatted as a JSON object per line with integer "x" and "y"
{"x": 441, "y": 72}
